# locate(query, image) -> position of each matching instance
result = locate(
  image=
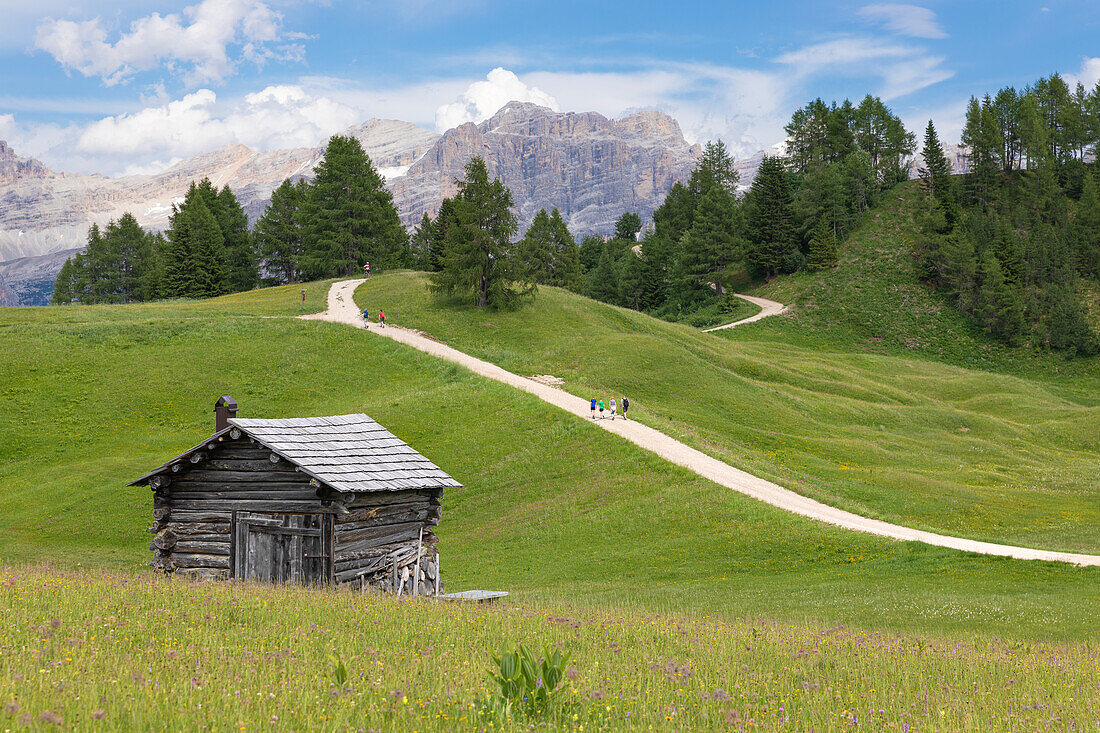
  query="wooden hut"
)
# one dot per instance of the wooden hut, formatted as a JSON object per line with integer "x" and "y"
{"x": 315, "y": 500}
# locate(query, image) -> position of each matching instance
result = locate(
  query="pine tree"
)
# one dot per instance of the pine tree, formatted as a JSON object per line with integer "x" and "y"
{"x": 1086, "y": 228}
{"x": 567, "y": 255}
{"x": 420, "y": 244}
{"x": 712, "y": 244}
{"x": 479, "y": 259}
{"x": 603, "y": 282}
{"x": 673, "y": 217}
{"x": 590, "y": 249}
{"x": 936, "y": 173}
{"x": 999, "y": 308}
{"x": 770, "y": 221}
{"x": 714, "y": 169}
{"x": 628, "y": 226}
{"x": 536, "y": 249}
{"x": 280, "y": 231}
{"x": 823, "y": 250}
{"x": 242, "y": 271}
{"x": 210, "y": 272}
{"x": 133, "y": 256}
{"x": 440, "y": 227}
{"x": 351, "y": 214}
{"x": 65, "y": 284}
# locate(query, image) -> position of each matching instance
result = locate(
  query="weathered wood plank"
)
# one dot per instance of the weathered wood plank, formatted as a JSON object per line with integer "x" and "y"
{"x": 297, "y": 494}
{"x": 184, "y": 515}
{"x": 227, "y": 476}
{"x": 187, "y": 560}
{"x": 391, "y": 514}
{"x": 375, "y": 498}
{"x": 202, "y": 547}
{"x": 247, "y": 464}
{"x": 250, "y": 505}
{"x": 363, "y": 539}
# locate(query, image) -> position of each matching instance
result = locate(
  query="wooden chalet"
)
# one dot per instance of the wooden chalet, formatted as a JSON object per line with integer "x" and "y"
{"x": 314, "y": 500}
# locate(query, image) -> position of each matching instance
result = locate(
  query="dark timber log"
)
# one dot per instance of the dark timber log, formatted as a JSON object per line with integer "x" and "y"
{"x": 373, "y": 498}
{"x": 203, "y": 573}
{"x": 210, "y": 492}
{"x": 201, "y": 515}
{"x": 218, "y": 463}
{"x": 389, "y": 514}
{"x": 251, "y": 505}
{"x": 225, "y": 476}
{"x": 362, "y": 539}
{"x": 184, "y": 560}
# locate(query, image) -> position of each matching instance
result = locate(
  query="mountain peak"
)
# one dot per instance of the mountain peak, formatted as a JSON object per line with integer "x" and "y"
{"x": 13, "y": 168}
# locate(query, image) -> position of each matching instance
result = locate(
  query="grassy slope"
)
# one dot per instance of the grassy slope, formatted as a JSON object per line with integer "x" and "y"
{"x": 554, "y": 508}
{"x": 867, "y": 424}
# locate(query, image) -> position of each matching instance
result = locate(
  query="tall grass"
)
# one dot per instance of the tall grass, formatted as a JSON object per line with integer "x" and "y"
{"x": 95, "y": 650}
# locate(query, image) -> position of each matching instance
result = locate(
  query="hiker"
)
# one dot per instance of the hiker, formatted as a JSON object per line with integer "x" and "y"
{"x": 593, "y": 408}
{"x": 382, "y": 317}
{"x": 600, "y": 404}
{"x": 626, "y": 406}
{"x": 366, "y": 270}
{"x": 366, "y": 317}
{"x": 612, "y": 406}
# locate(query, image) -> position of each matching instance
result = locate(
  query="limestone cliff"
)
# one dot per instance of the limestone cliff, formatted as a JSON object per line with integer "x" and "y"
{"x": 591, "y": 168}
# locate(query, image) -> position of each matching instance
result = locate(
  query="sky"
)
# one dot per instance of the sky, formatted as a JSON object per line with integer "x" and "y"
{"x": 128, "y": 87}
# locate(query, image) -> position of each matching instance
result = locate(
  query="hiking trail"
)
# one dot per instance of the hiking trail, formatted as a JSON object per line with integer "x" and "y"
{"x": 342, "y": 309}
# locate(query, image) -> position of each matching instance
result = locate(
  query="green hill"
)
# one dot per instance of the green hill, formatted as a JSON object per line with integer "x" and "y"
{"x": 555, "y": 509}
{"x": 870, "y": 396}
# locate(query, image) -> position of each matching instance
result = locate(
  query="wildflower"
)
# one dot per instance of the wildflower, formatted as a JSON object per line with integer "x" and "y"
{"x": 99, "y": 714}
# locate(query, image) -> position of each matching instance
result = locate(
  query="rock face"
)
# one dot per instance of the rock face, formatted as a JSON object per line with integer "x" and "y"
{"x": 42, "y": 211}
{"x": 591, "y": 168}
{"x": 29, "y": 280}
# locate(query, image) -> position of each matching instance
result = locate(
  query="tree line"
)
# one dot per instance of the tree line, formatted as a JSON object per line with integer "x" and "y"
{"x": 1010, "y": 242}
{"x": 328, "y": 227}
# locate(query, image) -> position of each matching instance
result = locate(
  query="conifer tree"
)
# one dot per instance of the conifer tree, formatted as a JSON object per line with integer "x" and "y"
{"x": 420, "y": 244}
{"x": 210, "y": 272}
{"x": 567, "y": 256}
{"x": 280, "y": 231}
{"x": 769, "y": 220}
{"x": 65, "y": 285}
{"x": 479, "y": 259}
{"x": 440, "y": 227}
{"x": 713, "y": 243}
{"x": 590, "y": 249}
{"x": 823, "y": 250}
{"x": 242, "y": 264}
{"x": 627, "y": 226}
{"x": 536, "y": 249}
{"x": 603, "y": 282}
{"x": 1086, "y": 228}
{"x": 132, "y": 256}
{"x": 351, "y": 214}
{"x": 936, "y": 173}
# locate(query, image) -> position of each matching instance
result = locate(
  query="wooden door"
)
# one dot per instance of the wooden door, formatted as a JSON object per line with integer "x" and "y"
{"x": 281, "y": 548}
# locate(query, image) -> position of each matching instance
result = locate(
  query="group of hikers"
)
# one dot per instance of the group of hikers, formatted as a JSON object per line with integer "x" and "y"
{"x": 598, "y": 405}
{"x": 381, "y": 317}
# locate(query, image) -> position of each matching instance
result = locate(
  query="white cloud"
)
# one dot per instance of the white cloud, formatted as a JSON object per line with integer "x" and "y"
{"x": 1088, "y": 76}
{"x": 482, "y": 99}
{"x": 907, "y": 20}
{"x": 200, "y": 40}
{"x": 903, "y": 69}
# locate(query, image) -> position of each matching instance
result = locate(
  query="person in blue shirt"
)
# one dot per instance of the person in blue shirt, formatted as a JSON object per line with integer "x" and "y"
{"x": 593, "y": 408}
{"x": 366, "y": 317}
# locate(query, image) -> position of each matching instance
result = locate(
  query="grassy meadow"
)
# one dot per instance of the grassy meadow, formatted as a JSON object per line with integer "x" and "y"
{"x": 895, "y": 411}
{"x": 687, "y": 606}
{"x": 87, "y": 651}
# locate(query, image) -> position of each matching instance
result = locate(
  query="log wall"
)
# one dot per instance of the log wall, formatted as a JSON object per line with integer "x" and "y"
{"x": 381, "y": 539}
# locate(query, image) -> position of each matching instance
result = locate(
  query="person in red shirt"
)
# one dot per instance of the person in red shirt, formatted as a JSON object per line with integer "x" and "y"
{"x": 382, "y": 318}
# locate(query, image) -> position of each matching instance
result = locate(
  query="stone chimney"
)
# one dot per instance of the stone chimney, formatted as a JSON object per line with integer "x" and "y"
{"x": 224, "y": 408}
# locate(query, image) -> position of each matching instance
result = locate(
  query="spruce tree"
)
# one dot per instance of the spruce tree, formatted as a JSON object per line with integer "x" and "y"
{"x": 280, "y": 231}
{"x": 713, "y": 243}
{"x": 936, "y": 173}
{"x": 242, "y": 265}
{"x": 769, "y": 221}
{"x": 133, "y": 256}
{"x": 64, "y": 285}
{"x": 479, "y": 259}
{"x": 536, "y": 249}
{"x": 210, "y": 272}
{"x": 628, "y": 226}
{"x": 567, "y": 257}
{"x": 590, "y": 249}
{"x": 603, "y": 281}
{"x": 1086, "y": 228}
{"x": 823, "y": 250}
{"x": 352, "y": 217}
{"x": 440, "y": 227}
{"x": 420, "y": 244}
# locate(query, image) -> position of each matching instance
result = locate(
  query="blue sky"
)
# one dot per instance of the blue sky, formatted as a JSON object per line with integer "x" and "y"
{"x": 132, "y": 86}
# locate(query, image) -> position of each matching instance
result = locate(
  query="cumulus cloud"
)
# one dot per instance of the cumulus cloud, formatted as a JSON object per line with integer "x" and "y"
{"x": 482, "y": 99}
{"x": 1089, "y": 74}
{"x": 907, "y": 20}
{"x": 205, "y": 42}
{"x": 277, "y": 117}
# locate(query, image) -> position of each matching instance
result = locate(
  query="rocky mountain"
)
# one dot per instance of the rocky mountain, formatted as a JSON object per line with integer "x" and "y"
{"x": 591, "y": 168}
{"x": 29, "y": 280}
{"x": 42, "y": 211}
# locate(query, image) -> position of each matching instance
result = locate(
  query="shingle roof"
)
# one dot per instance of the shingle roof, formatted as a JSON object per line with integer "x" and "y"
{"x": 349, "y": 453}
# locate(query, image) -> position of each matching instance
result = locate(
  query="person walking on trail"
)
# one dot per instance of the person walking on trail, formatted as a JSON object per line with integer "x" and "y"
{"x": 612, "y": 406}
{"x": 366, "y": 270}
{"x": 600, "y": 405}
{"x": 626, "y": 406}
{"x": 366, "y": 317}
{"x": 382, "y": 318}
{"x": 593, "y": 408}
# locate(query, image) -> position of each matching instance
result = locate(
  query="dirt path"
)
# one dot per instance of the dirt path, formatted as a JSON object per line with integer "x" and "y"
{"x": 767, "y": 308}
{"x": 342, "y": 309}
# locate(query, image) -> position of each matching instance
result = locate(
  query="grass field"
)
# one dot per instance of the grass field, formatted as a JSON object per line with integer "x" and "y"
{"x": 554, "y": 508}
{"x": 905, "y": 428}
{"x": 106, "y": 651}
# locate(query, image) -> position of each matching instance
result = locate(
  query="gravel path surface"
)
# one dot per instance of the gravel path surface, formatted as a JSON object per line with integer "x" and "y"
{"x": 767, "y": 308}
{"x": 342, "y": 309}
